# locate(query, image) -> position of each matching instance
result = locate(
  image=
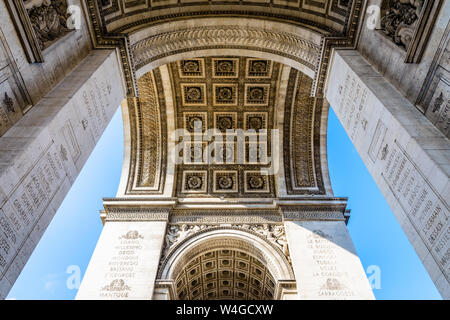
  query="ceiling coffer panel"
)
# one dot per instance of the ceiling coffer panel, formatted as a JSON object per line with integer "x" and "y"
{"x": 225, "y": 274}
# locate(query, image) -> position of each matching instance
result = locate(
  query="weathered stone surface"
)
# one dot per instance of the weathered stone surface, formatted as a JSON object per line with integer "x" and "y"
{"x": 59, "y": 59}
{"x": 405, "y": 154}
{"x": 422, "y": 82}
{"x": 125, "y": 261}
{"x": 325, "y": 263}
{"x": 45, "y": 150}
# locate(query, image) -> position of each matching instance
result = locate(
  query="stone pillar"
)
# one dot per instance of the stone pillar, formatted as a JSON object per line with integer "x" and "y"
{"x": 325, "y": 263}
{"x": 126, "y": 259}
{"x": 406, "y": 155}
{"x": 42, "y": 154}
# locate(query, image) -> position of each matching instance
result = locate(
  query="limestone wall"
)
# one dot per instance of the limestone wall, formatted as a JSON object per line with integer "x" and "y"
{"x": 403, "y": 151}
{"x": 41, "y": 155}
{"x": 421, "y": 83}
{"x": 26, "y": 83}
{"x": 125, "y": 261}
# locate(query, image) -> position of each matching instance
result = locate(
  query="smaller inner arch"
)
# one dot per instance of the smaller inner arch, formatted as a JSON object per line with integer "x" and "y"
{"x": 225, "y": 274}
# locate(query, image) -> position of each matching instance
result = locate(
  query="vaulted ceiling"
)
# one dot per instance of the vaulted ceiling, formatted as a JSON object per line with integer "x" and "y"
{"x": 148, "y": 32}
{"x": 225, "y": 274}
{"x": 216, "y": 65}
{"x": 226, "y": 95}
{"x": 240, "y": 127}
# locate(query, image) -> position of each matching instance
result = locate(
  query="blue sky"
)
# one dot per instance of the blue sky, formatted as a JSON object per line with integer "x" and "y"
{"x": 71, "y": 237}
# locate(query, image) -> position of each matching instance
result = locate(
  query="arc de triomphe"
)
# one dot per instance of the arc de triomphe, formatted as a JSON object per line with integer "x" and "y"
{"x": 225, "y": 191}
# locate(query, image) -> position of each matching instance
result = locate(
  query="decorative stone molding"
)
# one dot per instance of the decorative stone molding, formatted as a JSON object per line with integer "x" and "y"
{"x": 218, "y": 166}
{"x": 311, "y": 215}
{"x": 136, "y": 214}
{"x": 102, "y": 39}
{"x": 176, "y": 234}
{"x": 164, "y": 290}
{"x": 400, "y": 20}
{"x": 342, "y": 38}
{"x": 132, "y": 235}
{"x": 273, "y": 233}
{"x": 301, "y": 137}
{"x": 285, "y": 289}
{"x": 434, "y": 96}
{"x": 225, "y": 216}
{"x": 331, "y": 212}
{"x": 49, "y": 21}
{"x": 327, "y": 15}
{"x": 165, "y": 44}
{"x": 225, "y": 274}
{"x": 148, "y": 125}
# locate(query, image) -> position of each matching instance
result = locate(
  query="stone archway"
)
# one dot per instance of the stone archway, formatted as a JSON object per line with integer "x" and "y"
{"x": 224, "y": 274}
{"x": 296, "y": 46}
{"x": 181, "y": 44}
{"x": 385, "y": 128}
{"x": 150, "y": 86}
{"x": 226, "y": 263}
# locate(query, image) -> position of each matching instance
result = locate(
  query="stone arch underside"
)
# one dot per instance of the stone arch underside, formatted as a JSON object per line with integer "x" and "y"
{"x": 270, "y": 40}
{"x": 301, "y": 46}
{"x": 226, "y": 263}
{"x": 293, "y": 45}
{"x": 225, "y": 274}
{"x": 282, "y": 26}
{"x": 300, "y": 119}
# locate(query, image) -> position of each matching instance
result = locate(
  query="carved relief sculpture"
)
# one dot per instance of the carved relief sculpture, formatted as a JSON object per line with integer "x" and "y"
{"x": 38, "y": 23}
{"x": 49, "y": 21}
{"x": 401, "y": 19}
{"x": 409, "y": 23}
{"x": 275, "y": 234}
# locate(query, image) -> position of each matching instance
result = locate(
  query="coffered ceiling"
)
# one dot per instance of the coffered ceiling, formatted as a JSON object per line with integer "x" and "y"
{"x": 241, "y": 127}
{"x": 231, "y": 98}
{"x": 225, "y": 274}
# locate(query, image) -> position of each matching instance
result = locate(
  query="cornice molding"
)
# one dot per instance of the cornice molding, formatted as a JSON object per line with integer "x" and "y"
{"x": 136, "y": 214}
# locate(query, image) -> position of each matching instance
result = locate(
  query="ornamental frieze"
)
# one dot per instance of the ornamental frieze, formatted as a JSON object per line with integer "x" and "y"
{"x": 273, "y": 233}
{"x": 155, "y": 47}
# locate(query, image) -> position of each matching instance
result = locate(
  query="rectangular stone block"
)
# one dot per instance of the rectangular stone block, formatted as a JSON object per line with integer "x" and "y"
{"x": 325, "y": 263}
{"x": 405, "y": 154}
{"x": 125, "y": 261}
{"x": 45, "y": 150}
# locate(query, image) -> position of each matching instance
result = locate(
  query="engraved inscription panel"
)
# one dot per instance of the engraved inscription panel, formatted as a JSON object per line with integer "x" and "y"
{"x": 122, "y": 266}
{"x": 28, "y": 203}
{"x": 427, "y": 211}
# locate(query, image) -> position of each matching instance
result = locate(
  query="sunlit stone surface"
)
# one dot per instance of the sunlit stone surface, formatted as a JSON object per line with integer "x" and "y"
{"x": 225, "y": 191}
